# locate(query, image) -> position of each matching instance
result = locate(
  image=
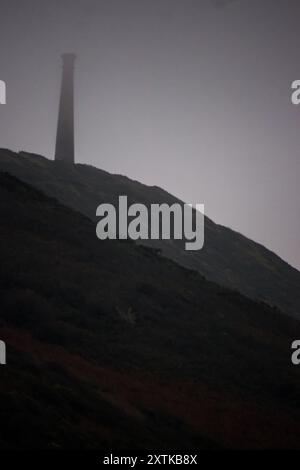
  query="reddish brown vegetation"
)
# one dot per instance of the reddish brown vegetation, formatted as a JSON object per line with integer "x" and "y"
{"x": 225, "y": 420}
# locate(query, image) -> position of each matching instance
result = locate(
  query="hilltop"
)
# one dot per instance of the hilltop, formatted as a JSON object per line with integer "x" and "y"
{"x": 228, "y": 258}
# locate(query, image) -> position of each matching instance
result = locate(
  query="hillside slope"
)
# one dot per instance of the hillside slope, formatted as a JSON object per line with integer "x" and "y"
{"x": 228, "y": 258}
{"x": 110, "y": 345}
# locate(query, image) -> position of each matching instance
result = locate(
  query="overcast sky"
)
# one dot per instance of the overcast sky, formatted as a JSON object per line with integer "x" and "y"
{"x": 189, "y": 95}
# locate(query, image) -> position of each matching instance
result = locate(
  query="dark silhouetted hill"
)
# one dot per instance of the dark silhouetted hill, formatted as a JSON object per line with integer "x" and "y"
{"x": 111, "y": 346}
{"x": 228, "y": 258}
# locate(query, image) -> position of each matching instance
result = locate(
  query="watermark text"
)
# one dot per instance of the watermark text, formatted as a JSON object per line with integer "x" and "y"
{"x": 296, "y": 354}
{"x": 178, "y": 222}
{"x": 2, "y": 92}
{"x": 2, "y": 353}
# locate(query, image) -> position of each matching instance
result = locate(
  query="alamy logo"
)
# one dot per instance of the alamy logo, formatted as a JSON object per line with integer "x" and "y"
{"x": 296, "y": 353}
{"x": 2, "y": 353}
{"x": 178, "y": 222}
{"x": 2, "y": 92}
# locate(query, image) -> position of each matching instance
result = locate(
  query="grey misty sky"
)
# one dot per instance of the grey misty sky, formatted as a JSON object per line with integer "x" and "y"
{"x": 189, "y": 95}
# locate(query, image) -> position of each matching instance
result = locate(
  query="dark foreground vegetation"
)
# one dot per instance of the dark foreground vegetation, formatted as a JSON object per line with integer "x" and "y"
{"x": 112, "y": 346}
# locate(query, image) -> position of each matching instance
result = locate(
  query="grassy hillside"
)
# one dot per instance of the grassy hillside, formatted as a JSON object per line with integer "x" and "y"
{"x": 228, "y": 258}
{"x": 110, "y": 345}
